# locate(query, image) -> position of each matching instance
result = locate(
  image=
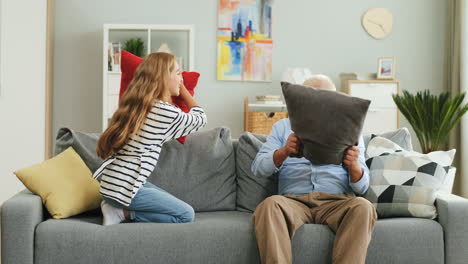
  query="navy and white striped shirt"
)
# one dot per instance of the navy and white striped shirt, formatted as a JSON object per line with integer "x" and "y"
{"x": 126, "y": 171}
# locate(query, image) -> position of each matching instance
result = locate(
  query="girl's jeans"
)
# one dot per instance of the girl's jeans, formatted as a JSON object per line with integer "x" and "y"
{"x": 153, "y": 204}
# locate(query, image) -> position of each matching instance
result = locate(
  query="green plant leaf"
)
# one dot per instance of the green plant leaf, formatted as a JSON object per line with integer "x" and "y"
{"x": 432, "y": 117}
{"x": 135, "y": 46}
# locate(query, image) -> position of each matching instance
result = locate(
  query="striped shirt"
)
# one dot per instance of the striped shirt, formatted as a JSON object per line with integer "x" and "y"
{"x": 126, "y": 171}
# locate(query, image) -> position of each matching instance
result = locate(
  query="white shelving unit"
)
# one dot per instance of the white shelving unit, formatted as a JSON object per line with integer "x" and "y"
{"x": 180, "y": 39}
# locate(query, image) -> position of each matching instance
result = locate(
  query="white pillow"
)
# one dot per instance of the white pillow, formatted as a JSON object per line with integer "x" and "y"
{"x": 404, "y": 183}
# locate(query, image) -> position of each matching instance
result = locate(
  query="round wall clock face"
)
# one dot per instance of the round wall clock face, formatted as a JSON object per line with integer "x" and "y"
{"x": 378, "y": 22}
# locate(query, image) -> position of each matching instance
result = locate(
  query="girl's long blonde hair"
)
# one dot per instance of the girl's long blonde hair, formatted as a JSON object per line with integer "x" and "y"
{"x": 148, "y": 85}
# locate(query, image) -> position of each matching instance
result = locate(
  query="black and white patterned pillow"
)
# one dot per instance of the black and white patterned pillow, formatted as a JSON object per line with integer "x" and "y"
{"x": 404, "y": 183}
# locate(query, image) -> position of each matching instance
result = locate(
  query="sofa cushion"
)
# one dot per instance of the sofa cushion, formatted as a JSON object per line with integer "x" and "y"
{"x": 404, "y": 183}
{"x": 64, "y": 184}
{"x": 83, "y": 143}
{"x": 201, "y": 172}
{"x": 395, "y": 240}
{"x": 327, "y": 122}
{"x": 400, "y": 136}
{"x": 214, "y": 237}
{"x": 251, "y": 190}
{"x": 406, "y": 240}
{"x": 222, "y": 237}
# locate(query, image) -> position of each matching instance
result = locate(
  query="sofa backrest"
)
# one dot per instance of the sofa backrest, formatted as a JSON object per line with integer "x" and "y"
{"x": 252, "y": 190}
{"x": 200, "y": 172}
{"x": 211, "y": 171}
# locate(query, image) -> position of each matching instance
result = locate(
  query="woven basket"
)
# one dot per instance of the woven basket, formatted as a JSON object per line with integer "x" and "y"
{"x": 261, "y": 122}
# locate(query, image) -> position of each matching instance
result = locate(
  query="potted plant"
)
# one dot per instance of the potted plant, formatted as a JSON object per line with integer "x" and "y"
{"x": 135, "y": 46}
{"x": 432, "y": 118}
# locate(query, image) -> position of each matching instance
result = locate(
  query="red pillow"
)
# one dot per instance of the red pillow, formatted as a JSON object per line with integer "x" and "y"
{"x": 190, "y": 82}
{"x": 128, "y": 66}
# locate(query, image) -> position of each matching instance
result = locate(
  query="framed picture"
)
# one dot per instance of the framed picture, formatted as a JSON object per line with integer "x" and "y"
{"x": 244, "y": 40}
{"x": 386, "y": 68}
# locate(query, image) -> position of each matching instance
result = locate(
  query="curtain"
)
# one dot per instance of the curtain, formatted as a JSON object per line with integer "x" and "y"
{"x": 458, "y": 83}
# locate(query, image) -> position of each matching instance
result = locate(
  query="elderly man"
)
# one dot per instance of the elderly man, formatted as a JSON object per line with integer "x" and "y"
{"x": 312, "y": 193}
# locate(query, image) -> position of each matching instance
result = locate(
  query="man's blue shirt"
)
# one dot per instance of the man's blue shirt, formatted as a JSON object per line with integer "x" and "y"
{"x": 297, "y": 176}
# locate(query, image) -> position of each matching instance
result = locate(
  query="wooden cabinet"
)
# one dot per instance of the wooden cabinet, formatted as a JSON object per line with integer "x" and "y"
{"x": 263, "y": 118}
{"x": 383, "y": 113}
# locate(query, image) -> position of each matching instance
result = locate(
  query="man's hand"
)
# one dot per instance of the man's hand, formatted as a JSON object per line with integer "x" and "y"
{"x": 292, "y": 144}
{"x": 292, "y": 147}
{"x": 351, "y": 160}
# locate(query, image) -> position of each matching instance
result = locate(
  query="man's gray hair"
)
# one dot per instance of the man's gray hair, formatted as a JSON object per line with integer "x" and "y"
{"x": 320, "y": 81}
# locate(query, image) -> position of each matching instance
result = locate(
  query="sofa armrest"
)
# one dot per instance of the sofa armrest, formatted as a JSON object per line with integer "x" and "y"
{"x": 453, "y": 212}
{"x": 20, "y": 215}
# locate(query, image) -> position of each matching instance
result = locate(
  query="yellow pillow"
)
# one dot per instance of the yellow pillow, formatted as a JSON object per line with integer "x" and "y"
{"x": 64, "y": 183}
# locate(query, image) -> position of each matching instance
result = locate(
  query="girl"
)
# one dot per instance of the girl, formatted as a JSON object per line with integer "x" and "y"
{"x": 131, "y": 144}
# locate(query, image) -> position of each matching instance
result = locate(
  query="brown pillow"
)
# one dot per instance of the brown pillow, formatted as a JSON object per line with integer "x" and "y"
{"x": 327, "y": 122}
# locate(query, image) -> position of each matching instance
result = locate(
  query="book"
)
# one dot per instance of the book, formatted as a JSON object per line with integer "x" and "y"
{"x": 268, "y": 98}
{"x": 270, "y": 102}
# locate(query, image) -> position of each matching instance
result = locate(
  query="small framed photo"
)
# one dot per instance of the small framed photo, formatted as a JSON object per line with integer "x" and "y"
{"x": 386, "y": 68}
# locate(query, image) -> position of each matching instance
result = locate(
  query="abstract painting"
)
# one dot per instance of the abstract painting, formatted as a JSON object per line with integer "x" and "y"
{"x": 245, "y": 44}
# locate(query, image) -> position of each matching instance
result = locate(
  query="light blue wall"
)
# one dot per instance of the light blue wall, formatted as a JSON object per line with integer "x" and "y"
{"x": 325, "y": 36}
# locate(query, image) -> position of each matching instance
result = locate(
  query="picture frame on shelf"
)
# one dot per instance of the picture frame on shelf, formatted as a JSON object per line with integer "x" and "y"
{"x": 386, "y": 68}
{"x": 115, "y": 49}
{"x": 113, "y": 57}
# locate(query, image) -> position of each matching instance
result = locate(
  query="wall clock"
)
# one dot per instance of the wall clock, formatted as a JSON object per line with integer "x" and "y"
{"x": 378, "y": 22}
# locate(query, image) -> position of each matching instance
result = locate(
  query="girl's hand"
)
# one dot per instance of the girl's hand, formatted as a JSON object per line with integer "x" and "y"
{"x": 184, "y": 93}
{"x": 182, "y": 86}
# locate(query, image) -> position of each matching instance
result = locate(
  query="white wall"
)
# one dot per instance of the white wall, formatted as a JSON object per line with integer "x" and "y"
{"x": 22, "y": 93}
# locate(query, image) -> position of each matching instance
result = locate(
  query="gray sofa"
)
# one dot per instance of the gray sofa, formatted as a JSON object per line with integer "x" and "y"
{"x": 223, "y": 230}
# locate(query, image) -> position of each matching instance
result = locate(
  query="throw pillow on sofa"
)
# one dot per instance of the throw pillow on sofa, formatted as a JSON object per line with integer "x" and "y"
{"x": 129, "y": 64}
{"x": 201, "y": 172}
{"x": 64, "y": 183}
{"x": 400, "y": 136}
{"x": 327, "y": 122}
{"x": 251, "y": 190}
{"x": 83, "y": 143}
{"x": 404, "y": 183}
